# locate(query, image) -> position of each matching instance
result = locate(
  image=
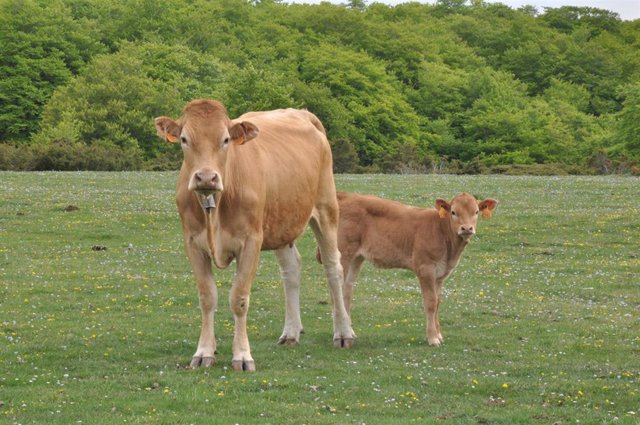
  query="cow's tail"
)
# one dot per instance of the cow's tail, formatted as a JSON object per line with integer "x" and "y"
{"x": 318, "y": 255}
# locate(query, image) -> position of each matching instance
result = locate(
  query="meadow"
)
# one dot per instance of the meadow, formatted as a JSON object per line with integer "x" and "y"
{"x": 99, "y": 313}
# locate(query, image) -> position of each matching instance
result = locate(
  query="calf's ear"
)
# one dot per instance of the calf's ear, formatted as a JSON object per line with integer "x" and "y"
{"x": 443, "y": 207}
{"x": 242, "y": 132}
{"x": 167, "y": 129}
{"x": 487, "y": 206}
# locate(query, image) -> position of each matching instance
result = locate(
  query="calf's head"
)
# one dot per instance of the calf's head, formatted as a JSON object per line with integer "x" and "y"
{"x": 462, "y": 213}
{"x": 206, "y": 134}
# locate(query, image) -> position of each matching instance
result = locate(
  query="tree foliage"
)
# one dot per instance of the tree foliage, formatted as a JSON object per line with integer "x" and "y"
{"x": 112, "y": 102}
{"x": 399, "y": 88}
{"x": 43, "y": 46}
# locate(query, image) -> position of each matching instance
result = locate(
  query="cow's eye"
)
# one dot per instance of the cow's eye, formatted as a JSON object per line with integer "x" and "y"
{"x": 453, "y": 213}
{"x": 183, "y": 140}
{"x": 226, "y": 141}
{"x": 477, "y": 211}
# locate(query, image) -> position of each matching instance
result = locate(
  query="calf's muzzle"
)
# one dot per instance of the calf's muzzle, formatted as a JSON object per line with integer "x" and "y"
{"x": 466, "y": 231}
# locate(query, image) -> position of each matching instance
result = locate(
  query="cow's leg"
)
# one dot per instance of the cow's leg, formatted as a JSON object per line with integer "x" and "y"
{"x": 428, "y": 286}
{"x": 208, "y": 296}
{"x": 325, "y": 226}
{"x": 247, "y": 264}
{"x": 351, "y": 270}
{"x": 290, "y": 265}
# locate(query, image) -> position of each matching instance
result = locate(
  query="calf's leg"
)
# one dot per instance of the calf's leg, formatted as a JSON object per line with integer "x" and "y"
{"x": 351, "y": 271}
{"x": 439, "y": 284}
{"x": 430, "y": 300}
{"x": 290, "y": 265}
{"x": 208, "y": 296}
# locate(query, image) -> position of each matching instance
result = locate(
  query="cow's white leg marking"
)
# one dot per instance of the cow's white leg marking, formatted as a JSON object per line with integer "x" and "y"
{"x": 239, "y": 296}
{"x": 324, "y": 224}
{"x": 208, "y": 297}
{"x": 290, "y": 264}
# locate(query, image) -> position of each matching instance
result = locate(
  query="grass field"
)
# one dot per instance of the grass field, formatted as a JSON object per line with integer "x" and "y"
{"x": 541, "y": 319}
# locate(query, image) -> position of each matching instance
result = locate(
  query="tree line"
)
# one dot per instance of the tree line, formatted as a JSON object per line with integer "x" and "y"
{"x": 453, "y": 86}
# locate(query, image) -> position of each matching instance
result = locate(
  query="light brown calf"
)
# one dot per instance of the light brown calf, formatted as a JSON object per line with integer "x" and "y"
{"x": 247, "y": 185}
{"x": 393, "y": 235}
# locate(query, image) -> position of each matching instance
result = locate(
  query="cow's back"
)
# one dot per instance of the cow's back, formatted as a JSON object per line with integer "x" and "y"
{"x": 279, "y": 172}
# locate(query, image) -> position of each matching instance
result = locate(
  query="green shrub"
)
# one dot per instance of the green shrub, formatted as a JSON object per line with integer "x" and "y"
{"x": 69, "y": 157}
{"x": 539, "y": 170}
{"x": 16, "y": 157}
{"x": 166, "y": 161}
{"x": 345, "y": 156}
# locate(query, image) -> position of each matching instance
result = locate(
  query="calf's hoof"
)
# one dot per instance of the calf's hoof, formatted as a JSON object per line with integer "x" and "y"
{"x": 202, "y": 361}
{"x": 343, "y": 342}
{"x": 435, "y": 342}
{"x": 244, "y": 365}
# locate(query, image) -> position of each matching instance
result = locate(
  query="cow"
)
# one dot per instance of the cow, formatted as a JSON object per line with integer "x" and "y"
{"x": 389, "y": 234}
{"x": 250, "y": 184}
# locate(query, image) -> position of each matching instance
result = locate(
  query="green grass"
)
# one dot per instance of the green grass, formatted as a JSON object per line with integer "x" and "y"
{"x": 541, "y": 318}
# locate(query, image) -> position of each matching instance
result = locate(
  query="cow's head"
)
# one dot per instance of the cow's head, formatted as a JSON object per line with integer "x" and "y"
{"x": 462, "y": 212}
{"x": 206, "y": 134}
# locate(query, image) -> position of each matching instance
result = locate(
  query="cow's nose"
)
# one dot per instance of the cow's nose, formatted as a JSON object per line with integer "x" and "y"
{"x": 206, "y": 177}
{"x": 206, "y": 180}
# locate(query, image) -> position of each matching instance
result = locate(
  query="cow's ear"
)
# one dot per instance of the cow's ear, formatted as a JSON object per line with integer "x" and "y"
{"x": 443, "y": 207}
{"x": 167, "y": 129}
{"x": 242, "y": 132}
{"x": 487, "y": 206}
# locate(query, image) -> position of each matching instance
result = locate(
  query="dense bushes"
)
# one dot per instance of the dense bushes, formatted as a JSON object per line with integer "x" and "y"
{"x": 76, "y": 157}
{"x": 69, "y": 157}
{"x": 411, "y": 88}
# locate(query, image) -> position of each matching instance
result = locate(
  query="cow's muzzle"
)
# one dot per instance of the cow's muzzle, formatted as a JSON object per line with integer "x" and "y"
{"x": 205, "y": 182}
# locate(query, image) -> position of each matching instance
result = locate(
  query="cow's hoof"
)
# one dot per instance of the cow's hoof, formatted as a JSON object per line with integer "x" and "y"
{"x": 244, "y": 365}
{"x": 200, "y": 361}
{"x": 288, "y": 340}
{"x": 343, "y": 342}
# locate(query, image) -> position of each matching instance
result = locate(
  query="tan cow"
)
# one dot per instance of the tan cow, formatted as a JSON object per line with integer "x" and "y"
{"x": 393, "y": 235}
{"x": 247, "y": 185}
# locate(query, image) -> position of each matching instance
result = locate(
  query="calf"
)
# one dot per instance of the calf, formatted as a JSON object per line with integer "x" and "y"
{"x": 389, "y": 234}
